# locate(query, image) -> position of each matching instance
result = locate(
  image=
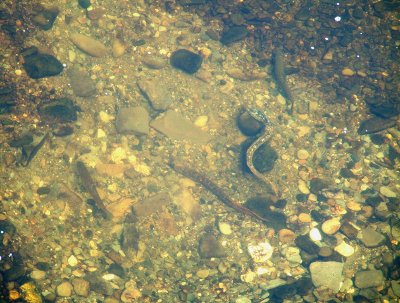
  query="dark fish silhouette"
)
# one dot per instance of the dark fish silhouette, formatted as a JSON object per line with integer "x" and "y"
{"x": 90, "y": 187}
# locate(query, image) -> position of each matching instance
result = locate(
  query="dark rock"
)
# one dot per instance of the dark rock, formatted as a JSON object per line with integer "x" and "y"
{"x": 44, "y": 190}
{"x": 349, "y": 230}
{"x": 46, "y": 17}
{"x": 210, "y": 247}
{"x": 24, "y": 140}
{"x": 8, "y": 96}
{"x": 59, "y": 110}
{"x": 84, "y": 3}
{"x": 264, "y": 158}
{"x": 6, "y": 227}
{"x": 248, "y": 125}
{"x": 300, "y": 287}
{"x": 233, "y": 34}
{"x": 17, "y": 269}
{"x": 305, "y": 243}
{"x": 117, "y": 270}
{"x": 360, "y": 299}
{"x": 186, "y": 61}
{"x": 63, "y": 131}
{"x": 358, "y": 13}
{"x": 317, "y": 184}
{"x": 347, "y": 173}
{"x": 43, "y": 266}
{"x": 81, "y": 83}
{"x": 40, "y": 65}
{"x": 261, "y": 206}
{"x": 301, "y": 197}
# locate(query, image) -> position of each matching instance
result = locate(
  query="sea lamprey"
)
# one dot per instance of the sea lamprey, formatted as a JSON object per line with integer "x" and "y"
{"x": 279, "y": 73}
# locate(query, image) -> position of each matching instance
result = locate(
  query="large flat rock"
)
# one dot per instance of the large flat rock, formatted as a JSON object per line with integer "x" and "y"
{"x": 175, "y": 126}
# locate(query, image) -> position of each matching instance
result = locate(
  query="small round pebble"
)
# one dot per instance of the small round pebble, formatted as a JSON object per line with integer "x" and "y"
{"x": 201, "y": 121}
{"x": 304, "y": 218}
{"x": 203, "y": 273}
{"x": 286, "y": 235}
{"x": 224, "y": 228}
{"x": 64, "y": 289}
{"x": 81, "y": 287}
{"x": 330, "y": 226}
{"x": 344, "y": 249}
{"x": 38, "y": 274}
{"x": 325, "y": 251}
{"x": 72, "y": 261}
{"x": 302, "y": 154}
{"x": 303, "y": 188}
{"x": 348, "y": 72}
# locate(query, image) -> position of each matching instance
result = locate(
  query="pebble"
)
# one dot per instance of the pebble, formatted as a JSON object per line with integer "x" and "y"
{"x": 72, "y": 261}
{"x": 371, "y": 238}
{"x": 348, "y": 72}
{"x": 233, "y": 34}
{"x": 303, "y": 187}
{"x": 260, "y": 252}
{"x": 224, "y": 228}
{"x": 292, "y": 254}
{"x": 89, "y": 45}
{"x": 201, "y": 121}
{"x": 302, "y": 154}
{"x": 64, "y": 289}
{"x": 387, "y": 192}
{"x": 327, "y": 274}
{"x": 154, "y": 62}
{"x": 118, "y": 48}
{"x": 315, "y": 234}
{"x": 38, "y": 274}
{"x": 304, "y": 218}
{"x": 242, "y": 300}
{"x": 369, "y": 278}
{"x": 286, "y": 235}
{"x": 210, "y": 247}
{"x": 331, "y": 226}
{"x": 81, "y": 287}
{"x": 203, "y": 273}
{"x": 344, "y": 249}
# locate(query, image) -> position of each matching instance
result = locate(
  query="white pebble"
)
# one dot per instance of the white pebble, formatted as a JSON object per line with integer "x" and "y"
{"x": 315, "y": 235}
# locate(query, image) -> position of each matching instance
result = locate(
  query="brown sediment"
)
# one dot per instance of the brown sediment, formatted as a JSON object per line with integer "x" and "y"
{"x": 214, "y": 189}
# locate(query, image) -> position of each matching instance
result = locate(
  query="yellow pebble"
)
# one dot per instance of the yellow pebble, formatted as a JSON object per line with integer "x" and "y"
{"x": 347, "y": 72}
{"x": 201, "y": 121}
{"x": 18, "y": 72}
